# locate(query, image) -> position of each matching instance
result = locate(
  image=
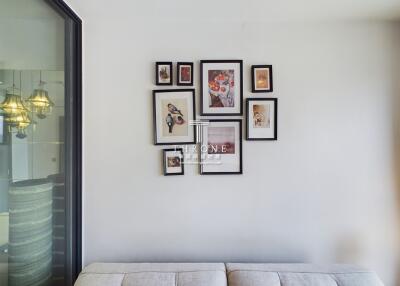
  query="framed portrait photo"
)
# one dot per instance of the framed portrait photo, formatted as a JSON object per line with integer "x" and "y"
{"x": 221, "y": 87}
{"x": 262, "y": 119}
{"x": 174, "y": 110}
{"x": 184, "y": 73}
{"x": 164, "y": 73}
{"x": 173, "y": 162}
{"x": 261, "y": 78}
{"x": 221, "y": 147}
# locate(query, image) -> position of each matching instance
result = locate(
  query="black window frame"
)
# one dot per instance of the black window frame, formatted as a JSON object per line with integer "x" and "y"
{"x": 73, "y": 137}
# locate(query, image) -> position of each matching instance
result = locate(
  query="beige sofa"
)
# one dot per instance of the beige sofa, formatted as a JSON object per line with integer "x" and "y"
{"x": 220, "y": 274}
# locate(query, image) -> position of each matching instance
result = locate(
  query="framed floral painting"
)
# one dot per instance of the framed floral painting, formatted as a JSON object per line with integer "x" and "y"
{"x": 221, "y": 87}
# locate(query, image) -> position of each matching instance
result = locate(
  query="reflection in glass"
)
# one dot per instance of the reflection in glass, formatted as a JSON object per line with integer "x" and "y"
{"x": 33, "y": 232}
{"x": 39, "y": 102}
{"x": 32, "y": 193}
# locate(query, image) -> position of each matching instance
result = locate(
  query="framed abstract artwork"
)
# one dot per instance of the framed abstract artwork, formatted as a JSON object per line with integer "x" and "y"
{"x": 262, "y": 119}
{"x": 173, "y": 112}
{"x": 221, "y": 87}
{"x": 261, "y": 78}
{"x": 164, "y": 73}
{"x": 184, "y": 73}
{"x": 173, "y": 162}
{"x": 221, "y": 147}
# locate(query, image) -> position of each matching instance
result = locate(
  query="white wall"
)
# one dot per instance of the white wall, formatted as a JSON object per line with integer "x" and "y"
{"x": 325, "y": 191}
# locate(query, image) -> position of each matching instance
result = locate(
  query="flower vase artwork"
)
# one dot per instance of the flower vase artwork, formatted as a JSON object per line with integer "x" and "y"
{"x": 221, "y": 88}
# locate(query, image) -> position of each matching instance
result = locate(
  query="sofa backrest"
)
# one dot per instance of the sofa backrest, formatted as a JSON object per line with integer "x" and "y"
{"x": 220, "y": 274}
{"x": 243, "y": 274}
{"x": 153, "y": 274}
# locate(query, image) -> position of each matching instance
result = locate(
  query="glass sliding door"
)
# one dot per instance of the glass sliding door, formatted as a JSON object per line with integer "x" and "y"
{"x": 40, "y": 143}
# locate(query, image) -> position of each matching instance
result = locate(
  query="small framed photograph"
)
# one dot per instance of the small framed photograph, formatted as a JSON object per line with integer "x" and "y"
{"x": 173, "y": 162}
{"x": 221, "y": 87}
{"x": 164, "y": 73}
{"x": 221, "y": 147}
{"x": 262, "y": 119}
{"x": 261, "y": 78}
{"x": 174, "y": 111}
{"x": 184, "y": 73}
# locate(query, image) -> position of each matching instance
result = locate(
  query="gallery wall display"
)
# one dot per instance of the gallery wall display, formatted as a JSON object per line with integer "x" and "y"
{"x": 221, "y": 87}
{"x": 261, "y": 78}
{"x": 221, "y": 94}
{"x": 184, "y": 73}
{"x": 173, "y": 162}
{"x": 173, "y": 111}
{"x": 164, "y": 73}
{"x": 261, "y": 119}
{"x": 221, "y": 147}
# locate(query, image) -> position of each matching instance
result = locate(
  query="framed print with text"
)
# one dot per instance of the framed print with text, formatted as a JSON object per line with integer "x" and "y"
{"x": 173, "y": 111}
{"x": 262, "y": 119}
{"x": 221, "y": 147}
{"x": 221, "y": 87}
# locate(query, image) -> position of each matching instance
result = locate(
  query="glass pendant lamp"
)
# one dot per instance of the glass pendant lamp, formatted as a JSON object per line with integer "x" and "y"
{"x": 13, "y": 104}
{"x": 39, "y": 102}
{"x": 23, "y": 122}
{"x": 16, "y": 114}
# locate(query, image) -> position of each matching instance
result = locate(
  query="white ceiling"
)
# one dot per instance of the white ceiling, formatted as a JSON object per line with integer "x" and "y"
{"x": 240, "y": 10}
{"x": 215, "y": 10}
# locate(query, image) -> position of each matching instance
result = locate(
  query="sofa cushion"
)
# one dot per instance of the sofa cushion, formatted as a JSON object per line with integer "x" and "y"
{"x": 242, "y": 274}
{"x": 153, "y": 274}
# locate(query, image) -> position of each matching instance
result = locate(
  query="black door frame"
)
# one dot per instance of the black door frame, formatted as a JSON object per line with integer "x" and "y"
{"x": 73, "y": 137}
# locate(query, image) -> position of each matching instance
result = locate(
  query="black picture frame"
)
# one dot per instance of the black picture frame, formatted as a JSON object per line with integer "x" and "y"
{"x": 178, "y": 74}
{"x": 240, "y": 172}
{"x": 170, "y": 70}
{"x": 192, "y": 90}
{"x": 271, "y": 84}
{"x": 275, "y": 101}
{"x": 202, "y": 63}
{"x": 164, "y": 154}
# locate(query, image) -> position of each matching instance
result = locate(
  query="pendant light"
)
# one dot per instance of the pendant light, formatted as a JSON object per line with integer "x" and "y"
{"x": 23, "y": 119}
{"x": 39, "y": 101}
{"x": 23, "y": 122}
{"x": 13, "y": 104}
{"x": 18, "y": 121}
{"x": 16, "y": 114}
